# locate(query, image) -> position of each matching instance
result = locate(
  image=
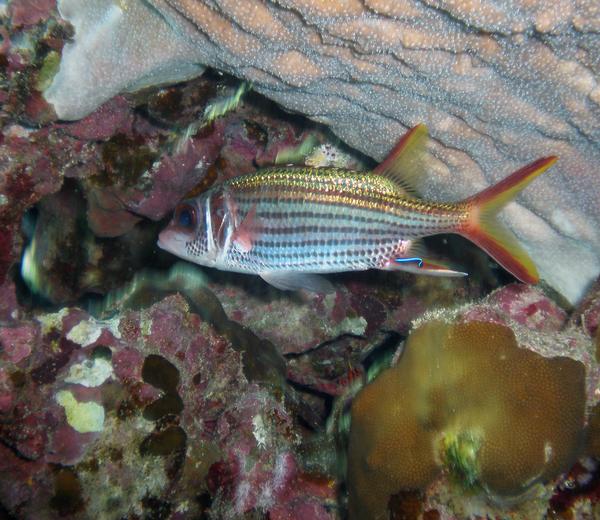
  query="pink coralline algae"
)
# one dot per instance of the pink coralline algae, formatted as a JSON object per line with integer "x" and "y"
{"x": 498, "y": 84}
{"x": 17, "y": 342}
{"x": 157, "y": 403}
{"x": 523, "y": 305}
{"x": 30, "y": 12}
{"x": 587, "y": 314}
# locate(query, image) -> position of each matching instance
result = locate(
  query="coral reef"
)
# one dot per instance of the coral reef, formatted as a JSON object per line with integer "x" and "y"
{"x": 175, "y": 392}
{"x": 476, "y": 402}
{"x": 184, "y": 411}
{"x": 498, "y": 84}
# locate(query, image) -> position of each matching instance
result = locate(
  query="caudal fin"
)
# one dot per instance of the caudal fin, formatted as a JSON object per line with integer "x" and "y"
{"x": 487, "y": 232}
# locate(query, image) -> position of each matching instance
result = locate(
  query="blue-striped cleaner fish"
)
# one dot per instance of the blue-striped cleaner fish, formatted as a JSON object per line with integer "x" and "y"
{"x": 289, "y": 224}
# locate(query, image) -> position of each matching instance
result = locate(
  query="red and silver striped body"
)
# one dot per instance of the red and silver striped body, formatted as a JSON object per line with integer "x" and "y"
{"x": 311, "y": 220}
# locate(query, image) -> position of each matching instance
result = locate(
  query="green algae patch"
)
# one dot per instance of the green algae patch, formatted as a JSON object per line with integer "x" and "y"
{"x": 83, "y": 417}
{"x": 460, "y": 451}
{"x": 48, "y": 70}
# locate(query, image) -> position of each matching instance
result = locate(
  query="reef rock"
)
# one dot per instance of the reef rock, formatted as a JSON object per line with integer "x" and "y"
{"x": 498, "y": 84}
{"x": 148, "y": 413}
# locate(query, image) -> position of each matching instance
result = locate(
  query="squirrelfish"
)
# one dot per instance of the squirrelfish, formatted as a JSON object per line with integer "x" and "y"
{"x": 287, "y": 224}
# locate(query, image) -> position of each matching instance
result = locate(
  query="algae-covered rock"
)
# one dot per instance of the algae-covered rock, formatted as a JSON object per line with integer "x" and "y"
{"x": 160, "y": 403}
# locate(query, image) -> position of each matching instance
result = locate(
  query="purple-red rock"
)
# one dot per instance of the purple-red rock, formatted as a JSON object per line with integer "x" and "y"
{"x": 114, "y": 117}
{"x": 9, "y": 310}
{"x": 232, "y": 422}
{"x": 30, "y": 12}
{"x": 587, "y": 313}
{"x": 18, "y": 341}
{"x": 6, "y": 391}
{"x": 522, "y": 304}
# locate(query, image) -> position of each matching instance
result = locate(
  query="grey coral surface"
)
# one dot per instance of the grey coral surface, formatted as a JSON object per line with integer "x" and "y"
{"x": 499, "y": 83}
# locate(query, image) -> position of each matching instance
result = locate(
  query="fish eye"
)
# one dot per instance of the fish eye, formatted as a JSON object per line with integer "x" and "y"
{"x": 185, "y": 216}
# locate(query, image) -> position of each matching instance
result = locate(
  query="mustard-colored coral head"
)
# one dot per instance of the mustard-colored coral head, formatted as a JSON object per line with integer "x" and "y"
{"x": 466, "y": 399}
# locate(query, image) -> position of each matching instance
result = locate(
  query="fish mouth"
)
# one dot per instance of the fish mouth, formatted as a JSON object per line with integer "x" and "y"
{"x": 171, "y": 241}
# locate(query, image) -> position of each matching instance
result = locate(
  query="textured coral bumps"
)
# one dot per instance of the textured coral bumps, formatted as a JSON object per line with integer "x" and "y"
{"x": 471, "y": 404}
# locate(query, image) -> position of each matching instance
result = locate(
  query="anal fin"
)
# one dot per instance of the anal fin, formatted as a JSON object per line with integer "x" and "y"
{"x": 431, "y": 267}
{"x": 416, "y": 260}
{"x": 293, "y": 281}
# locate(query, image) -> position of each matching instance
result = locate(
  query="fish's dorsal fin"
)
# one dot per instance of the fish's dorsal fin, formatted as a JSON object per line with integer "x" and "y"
{"x": 404, "y": 164}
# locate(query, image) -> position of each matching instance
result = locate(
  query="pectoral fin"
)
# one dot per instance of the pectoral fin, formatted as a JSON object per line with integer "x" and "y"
{"x": 291, "y": 281}
{"x": 245, "y": 233}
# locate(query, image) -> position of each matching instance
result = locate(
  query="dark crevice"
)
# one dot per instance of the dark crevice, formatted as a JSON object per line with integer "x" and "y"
{"x": 14, "y": 449}
{"x": 324, "y": 344}
{"x": 386, "y": 348}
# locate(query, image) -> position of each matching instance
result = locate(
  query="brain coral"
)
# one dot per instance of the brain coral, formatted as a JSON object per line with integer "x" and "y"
{"x": 498, "y": 82}
{"x": 464, "y": 398}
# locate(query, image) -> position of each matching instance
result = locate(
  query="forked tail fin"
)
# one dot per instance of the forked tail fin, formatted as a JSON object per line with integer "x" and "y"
{"x": 489, "y": 234}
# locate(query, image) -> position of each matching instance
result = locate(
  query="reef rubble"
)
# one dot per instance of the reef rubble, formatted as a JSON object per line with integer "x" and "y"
{"x": 160, "y": 393}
